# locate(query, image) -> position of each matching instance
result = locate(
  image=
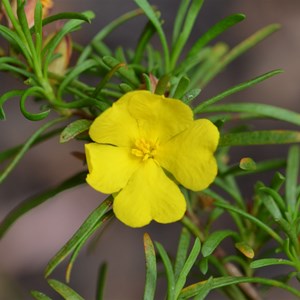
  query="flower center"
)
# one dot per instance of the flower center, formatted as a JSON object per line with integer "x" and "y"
{"x": 144, "y": 149}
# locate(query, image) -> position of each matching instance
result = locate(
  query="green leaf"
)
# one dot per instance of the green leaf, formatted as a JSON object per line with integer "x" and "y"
{"x": 194, "y": 229}
{"x": 263, "y": 110}
{"x": 169, "y": 270}
{"x": 107, "y": 77}
{"x": 105, "y": 31}
{"x": 74, "y": 129}
{"x": 251, "y": 218}
{"x": 6, "y": 97}
{"x": 74, "y": 73}
{"x": 125, "y": 73}
{"x": 204, "y": 290}
{"x": 16, "y": 70}
{"x": 239, "y": 50}
{"x": 143, "y": 41}
{"x": 235, "y": 89}
{"x": 275, "y": 196}
{"x": 120, "y": 54}
{"x": 271, "y": 206}
{"x": 65, "y": 291}
{"x": 162, "y": 85}
{"x": 276, "y": 183}
{"x": 101, "y": 49}
{"x": 186, "y": 31}
{"x": 181, "y": 12}
{"x": 85, "y": 101}
{"x": 182, "y": 251}
{"x": 69, "y": 27}
{"x": 228, "y": 185}
{"x": 125, "y": 88}
{"x": 86, "y": 17}
{"x": 189, "y": 63}
{"x": 235, "y": 217}
{"x": 290, "y": 229}
{"x": 291, "y": 183}
{"x": 247, "y": 164}
{"x": 220, "y": 282}
{"x": 154, "y": 61}
{"x": 187, "y": 267}
{"x": 13, "y": 18}
{"x": 89, "y": 232}
{"x": 39, "y": 296}
{"x": 101, "y": 281}
{"x": 191, "y": 95}
{"x": 14, "y": 39}
{"x": 265, "y": 262}
{"x": 215, "y": 31}
{"x": 198, "y": 74}
{"x": 213, "y": 241}
{"x": 245, "y": 249}
{"x": 12, "y": 61}
{"x": 26, "y": 32}
{"x": 153, "y": 17}
{"x": 181, "y": 87}
{"x": 80, "y": 234}
{"x": 151, "y": 270}
{"x": 36, "y": 200}
{"x": 148, "y": 82}
{"x": 26, "y": 146}
{"x": 203, "y": 265}
{"x": 263, "y": 137}
{"x": 38, "y": 91}
{"x": 38, "y": 27}
{"x": 261, "y": 166}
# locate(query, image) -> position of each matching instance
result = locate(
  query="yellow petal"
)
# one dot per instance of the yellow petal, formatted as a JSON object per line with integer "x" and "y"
{"x": 159, "y": 118}
{"x": 189, "y": 155}
{"x": 149, "y": 195}
{"x": 109, "y": 167}
{"x": 115, "y": 126}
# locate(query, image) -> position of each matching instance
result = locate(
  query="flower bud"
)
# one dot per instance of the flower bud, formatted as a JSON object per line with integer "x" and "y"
{"x": 60, "y": 64}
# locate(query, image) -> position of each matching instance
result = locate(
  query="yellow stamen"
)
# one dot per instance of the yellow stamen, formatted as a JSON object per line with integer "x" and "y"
{"x": 144, "y": 149}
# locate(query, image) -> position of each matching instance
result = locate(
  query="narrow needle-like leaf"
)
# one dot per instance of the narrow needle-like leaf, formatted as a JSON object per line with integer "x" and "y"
{"x": 151, "y": 270}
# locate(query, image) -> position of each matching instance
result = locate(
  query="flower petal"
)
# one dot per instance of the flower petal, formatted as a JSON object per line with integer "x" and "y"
{"x": 149, "y": 195}
{"x": 109, "y": 167}
{"x": 189, "y": 155}
{"x": 159, "y": 118}
{"x": 115, "y": 126}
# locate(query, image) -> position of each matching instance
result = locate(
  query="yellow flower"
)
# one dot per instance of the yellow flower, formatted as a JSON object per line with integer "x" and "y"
{"x": 144, "y": 144}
